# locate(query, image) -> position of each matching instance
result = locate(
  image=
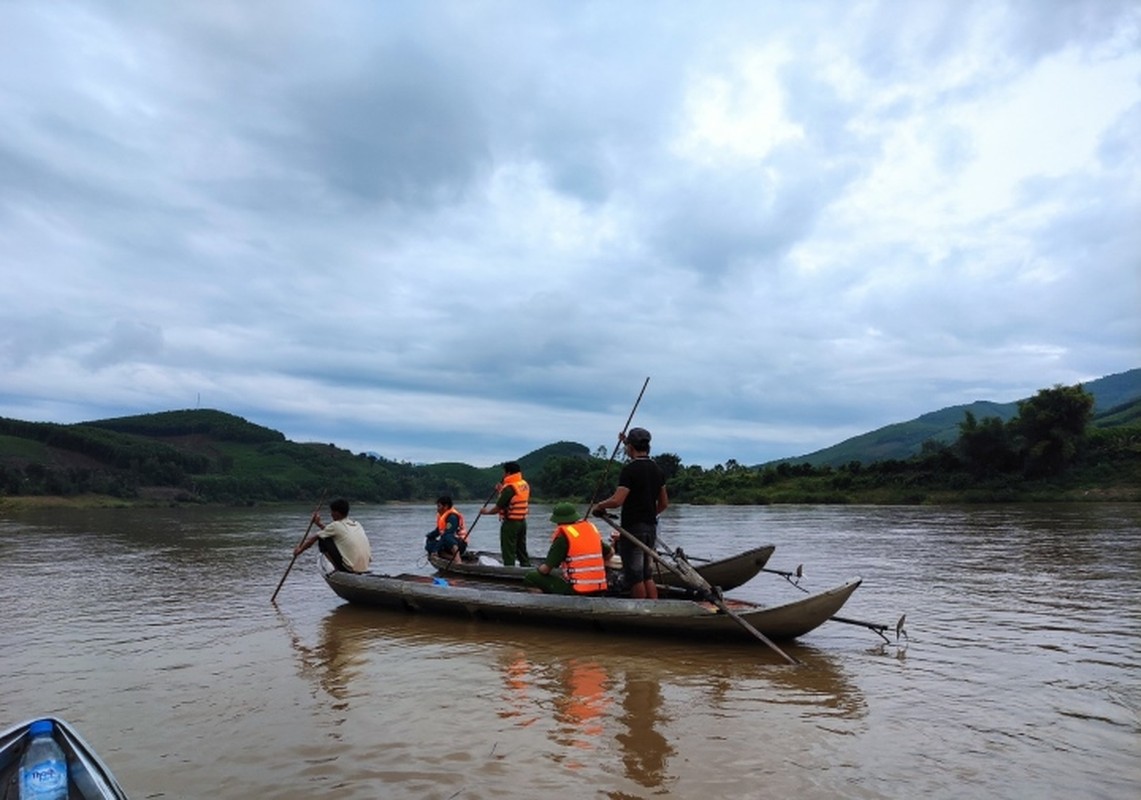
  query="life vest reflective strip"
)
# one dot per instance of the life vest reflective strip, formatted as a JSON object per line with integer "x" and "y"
{"x": 584, "y": 568}
{"x": 442, "y": 523}
{"x": 517, "y": 508}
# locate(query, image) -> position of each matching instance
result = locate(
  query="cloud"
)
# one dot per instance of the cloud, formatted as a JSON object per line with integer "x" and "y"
{"x": 441, "y": 231}
{"x": 127, "y": 341}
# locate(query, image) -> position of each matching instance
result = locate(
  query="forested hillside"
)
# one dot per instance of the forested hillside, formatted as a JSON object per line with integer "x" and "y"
{"x": 903, "y": 440}
{"x": 1053, "y": 446}
{"x": 211, "y": 456}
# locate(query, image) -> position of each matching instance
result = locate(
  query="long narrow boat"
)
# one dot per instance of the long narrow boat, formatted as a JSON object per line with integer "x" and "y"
{"x": 88, "y": 778}
{"x": 728, "y": 573}
{"x": 503, "y": 602}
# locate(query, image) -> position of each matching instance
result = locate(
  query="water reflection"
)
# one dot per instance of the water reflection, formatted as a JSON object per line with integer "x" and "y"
{"x": 586, "y": 702}
{"x": 581, "y": 704}
{"x": 821, "y": 686}
{"x": 601, "y": 707}
{"x": 728, "y": 676}
{"x": 574, "y": 693}
{"x": 645, "y": 749}
{"x": 519, "y": 702}
{"x": 336, "y": 661}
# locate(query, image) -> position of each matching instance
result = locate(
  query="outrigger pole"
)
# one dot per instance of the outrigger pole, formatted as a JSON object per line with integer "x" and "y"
{"x": 871, "y": 626}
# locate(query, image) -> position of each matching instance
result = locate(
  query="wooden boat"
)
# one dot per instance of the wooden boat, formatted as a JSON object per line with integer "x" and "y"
{"x": 87, "y": 776}
{"x": 728, "y": 573}
{"x": 503, "y": 602}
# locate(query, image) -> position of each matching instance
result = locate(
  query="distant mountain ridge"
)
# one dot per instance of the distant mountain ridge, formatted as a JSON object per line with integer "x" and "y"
{"x": 902, "y": 440}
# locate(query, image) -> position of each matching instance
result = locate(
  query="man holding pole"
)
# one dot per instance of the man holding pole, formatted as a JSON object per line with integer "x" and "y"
{"x": 342, "y": 541}
{"x": 511, "y": 506}
{"x": 642, "y": 495}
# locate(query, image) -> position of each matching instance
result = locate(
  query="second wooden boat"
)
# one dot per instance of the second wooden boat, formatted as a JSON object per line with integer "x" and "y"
{"x": 728, "y": 573}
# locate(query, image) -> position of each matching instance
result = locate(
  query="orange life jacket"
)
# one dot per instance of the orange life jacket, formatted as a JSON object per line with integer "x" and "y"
{"x": 517, "y": 508}
{"x": 584, "y": 568}
{"x": 442, "y": 523}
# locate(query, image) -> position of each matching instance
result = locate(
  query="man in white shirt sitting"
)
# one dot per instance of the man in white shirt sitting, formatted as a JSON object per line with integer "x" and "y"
{"x": 342, "y": 541}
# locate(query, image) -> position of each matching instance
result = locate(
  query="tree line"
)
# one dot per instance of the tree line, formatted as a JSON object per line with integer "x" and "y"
{"x": 209, "y": 456}
{"x": 1047, "y": 448}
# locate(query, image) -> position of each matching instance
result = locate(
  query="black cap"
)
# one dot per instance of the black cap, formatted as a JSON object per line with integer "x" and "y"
{"x": 638, "y": 437}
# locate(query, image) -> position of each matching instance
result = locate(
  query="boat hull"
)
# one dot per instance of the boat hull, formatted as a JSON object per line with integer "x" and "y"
{"x": 88, "y": 777}
{"x": 511, "y": 603}
{"x": 728, "y": 573}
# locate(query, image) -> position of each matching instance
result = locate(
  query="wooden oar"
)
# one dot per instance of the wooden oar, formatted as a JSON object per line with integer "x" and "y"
{"x": 687, "y": 573}
{"x": 614, "y": 452}
{"x": 305, "y": 535}
{"x": 456, "y": 554}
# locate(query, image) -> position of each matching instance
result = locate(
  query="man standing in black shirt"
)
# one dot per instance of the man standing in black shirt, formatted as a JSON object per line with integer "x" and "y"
{"x": 642, "y": 495}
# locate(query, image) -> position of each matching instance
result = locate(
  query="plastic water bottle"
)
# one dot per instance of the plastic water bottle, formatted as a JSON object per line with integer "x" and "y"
{"x": 43, "y": 769}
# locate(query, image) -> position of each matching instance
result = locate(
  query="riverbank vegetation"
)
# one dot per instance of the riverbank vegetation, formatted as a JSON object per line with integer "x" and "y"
{"x": 1052, "y": 449}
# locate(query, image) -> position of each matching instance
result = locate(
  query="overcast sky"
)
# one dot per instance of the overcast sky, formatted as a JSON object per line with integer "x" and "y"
{"x": 459, "y": 231}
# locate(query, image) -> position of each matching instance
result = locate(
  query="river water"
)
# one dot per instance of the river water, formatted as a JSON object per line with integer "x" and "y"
{"x": 151, "y": 631}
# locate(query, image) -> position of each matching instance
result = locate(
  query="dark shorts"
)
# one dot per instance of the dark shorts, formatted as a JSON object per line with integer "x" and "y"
{"x": 447, "y": 543}
{"x": 327, "y": 547}
{"x": 637, "y": 564}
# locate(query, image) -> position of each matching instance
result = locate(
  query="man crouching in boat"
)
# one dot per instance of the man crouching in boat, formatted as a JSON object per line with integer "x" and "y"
{"x": 577, "y": 547}
{"x": 342, "y": 541}
{"x": 449, "y": 537}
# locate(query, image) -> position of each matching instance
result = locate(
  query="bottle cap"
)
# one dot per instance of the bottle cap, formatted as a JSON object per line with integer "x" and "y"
{"x": 40, "y": 726}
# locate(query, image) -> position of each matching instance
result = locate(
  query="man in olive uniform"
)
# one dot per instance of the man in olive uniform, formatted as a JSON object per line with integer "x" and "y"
{"x": 511, "y": 506}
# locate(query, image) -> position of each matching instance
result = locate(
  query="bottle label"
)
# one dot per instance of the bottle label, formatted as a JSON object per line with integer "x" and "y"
{"x": 45, "y": 777}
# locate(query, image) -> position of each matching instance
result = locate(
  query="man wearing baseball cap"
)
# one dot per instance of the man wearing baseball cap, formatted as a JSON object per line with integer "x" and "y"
{"x": 642, "y": 495}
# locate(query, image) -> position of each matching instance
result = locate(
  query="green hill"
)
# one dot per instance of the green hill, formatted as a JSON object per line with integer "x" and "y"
{"x": 1124, "y": 414}
{"x": 206, "y": 455}
{"x": 185, "y": 425}
{"x": 532, "y": 463}
{"x": 902, "y": 440}
{"x": 1114, "y": 390}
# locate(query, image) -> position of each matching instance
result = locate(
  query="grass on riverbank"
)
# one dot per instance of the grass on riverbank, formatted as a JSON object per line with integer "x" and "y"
{"x": 25, "y": 502}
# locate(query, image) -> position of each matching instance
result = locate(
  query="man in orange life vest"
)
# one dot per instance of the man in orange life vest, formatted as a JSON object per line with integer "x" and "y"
{"x": 576, "y": 547}
{"x": 511, "y": 506}
{"x": 449, "y": 537}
